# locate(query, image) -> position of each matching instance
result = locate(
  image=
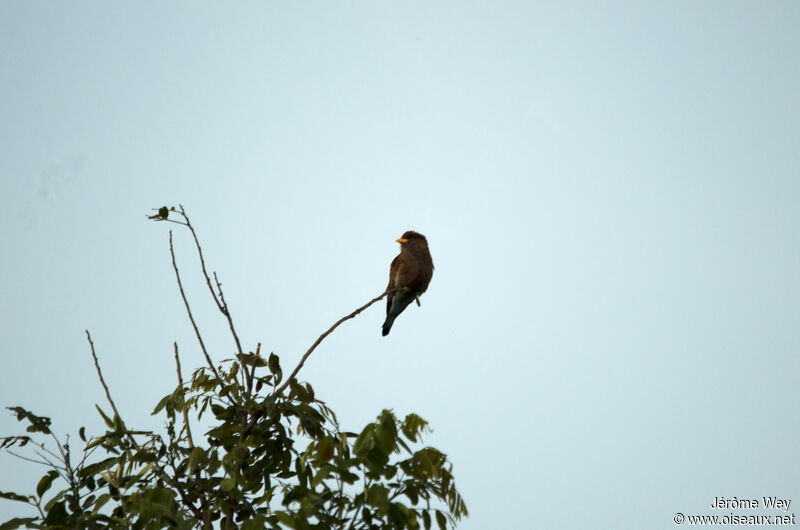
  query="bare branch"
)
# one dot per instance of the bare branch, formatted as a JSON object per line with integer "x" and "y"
{"x": 42, "y": 462}
{"x": 188, "y": 223}
{"x": 180, "y": 382}
{"x": 277, "y": 392}
{"x": 251, "y": 376}
{"x": 224, "y": 308}
{"x": 103, "y": 382}
{"x": 38, "y": 507}
{"x": 321, "y": 338}
{"x": 219, "y": 296}
{"x": 171, "y": 221}
{"x": 164, "y": 475}
{"x": 49, "y": 463}
{"x": 189, "y": 310}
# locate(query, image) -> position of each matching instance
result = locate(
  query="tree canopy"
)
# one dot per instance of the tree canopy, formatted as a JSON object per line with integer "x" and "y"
{"x": 275, "y": 456}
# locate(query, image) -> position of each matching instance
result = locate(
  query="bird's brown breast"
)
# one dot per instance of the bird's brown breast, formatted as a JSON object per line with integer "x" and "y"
{"x": 412, "y": 268}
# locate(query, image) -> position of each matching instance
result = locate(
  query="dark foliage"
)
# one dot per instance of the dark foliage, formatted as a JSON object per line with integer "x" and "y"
{"x": 275, "y": 457}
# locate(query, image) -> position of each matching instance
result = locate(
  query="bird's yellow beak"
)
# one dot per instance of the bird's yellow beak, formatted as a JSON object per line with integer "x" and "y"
{"x": 401, "y": 240}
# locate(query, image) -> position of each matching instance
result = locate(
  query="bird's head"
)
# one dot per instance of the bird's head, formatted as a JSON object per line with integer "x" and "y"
{"x": 411, "y": 237}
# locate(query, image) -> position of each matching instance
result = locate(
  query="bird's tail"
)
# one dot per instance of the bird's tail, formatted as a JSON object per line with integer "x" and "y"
{"x": 400, "y": 301}
{"x": 387, "y": 325}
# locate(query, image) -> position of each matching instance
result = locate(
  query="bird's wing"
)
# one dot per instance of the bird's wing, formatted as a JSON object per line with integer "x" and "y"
{"x": 393, "y": 272}
{"x": 406, "y": 272}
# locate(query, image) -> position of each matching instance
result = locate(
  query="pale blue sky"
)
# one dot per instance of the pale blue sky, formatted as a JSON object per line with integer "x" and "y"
{"x": 610, "y": 193}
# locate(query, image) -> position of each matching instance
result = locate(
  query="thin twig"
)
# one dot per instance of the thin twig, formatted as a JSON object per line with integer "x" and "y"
{"x": 73, "y": 484}
{"x": 277, "y": 392}
{"x": 321, "y": 338}
{"x": 61, "y": 449}
{"x": 202, "y": 260}
{"x": 224, "y": 307}
{"x": 189, "y": 311}
{"x": 171, "y": 221}
{"x": 46, "y": 450}
{"x": 51, "y": 464}
{"x": 105, "y": 387}
{"x": 219, "y": 298}
{"x": 251, "y": 376}
{"x": 44, "y": 463}
{"x": 38, "y": 507}
{"x": 164, "y": 475}
{"x": 87, "y": 454}
{"x": 180, "y": 382}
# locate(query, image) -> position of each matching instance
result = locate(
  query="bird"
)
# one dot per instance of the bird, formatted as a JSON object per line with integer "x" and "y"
{"x": 410, "y": 271}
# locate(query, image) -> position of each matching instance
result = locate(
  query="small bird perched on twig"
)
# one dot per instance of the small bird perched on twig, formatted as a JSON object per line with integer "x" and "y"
{"x": 410, "y": 271}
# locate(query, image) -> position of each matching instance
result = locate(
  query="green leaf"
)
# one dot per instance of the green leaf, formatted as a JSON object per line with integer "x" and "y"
{"x": 176, "y": 400}
{"x": 11, "y": 441}
{"x": 218, "y": 410}
{"x": 105, "y": 417}
{"x": 376, "y": 459}
{"x": 321, "y": 475}
{"x": 402, "y": 516}
{"x": 250, "y": 359}
{"x": 363, "y": 442}
{"x": 426, "y": 520}
{"x": 298, "y": 391}
{"x": 347, "y": 476}
{"x": 385, "y": 438}
{"x": 413, "y": 426}
{"x": 96, "y": 442}
{"x": 410, "y": 515}
{"x": 228, "y": 484}
{"x": 119, "y": 427}
{"x": 10, "y": 495}
{"x": 88, "y": 501}
{"x": 196, "y": 456}
{"x": 441, "y": 520}
{"x": 37, "y": 423}
{"x": 378, "y": 495}
{"x": 17, "y": 522}
{"x": 161, "y": 404}
{"x": 100, "y": 502}
{"x": 256, "y": 523}
{"x": 57, "y": 515}
{"x": 97, "y": 467}
{"x": 389, "y": 472}
{"x": 325, "y": 448}
{"x": 275, "y": 367}
{"x": 82, "y": 433}
{"x": 54, "y": 500}
{"x": 45, "y": 482}
{"x": 285, "y": 519}
{"x": 411, "y": 493}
